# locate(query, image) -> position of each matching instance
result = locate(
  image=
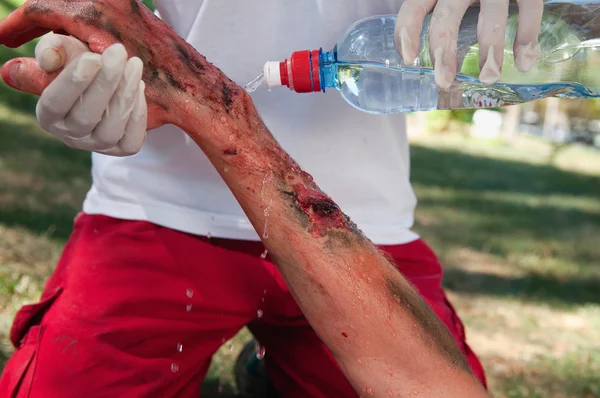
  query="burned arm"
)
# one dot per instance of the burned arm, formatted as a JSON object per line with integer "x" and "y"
{"x": 384, "y": 336}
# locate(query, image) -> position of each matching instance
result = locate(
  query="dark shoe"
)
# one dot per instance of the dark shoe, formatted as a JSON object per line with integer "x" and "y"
{"x": 251, "y": 374}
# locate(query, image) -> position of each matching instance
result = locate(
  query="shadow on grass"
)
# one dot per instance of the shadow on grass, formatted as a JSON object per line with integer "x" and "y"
{"x": 454, "y": 170}
{"x": 574, "y": 375}
{"x": 507, "y": 228}
{"x": 532, "y": 287}
{"x": 43, "y": 182}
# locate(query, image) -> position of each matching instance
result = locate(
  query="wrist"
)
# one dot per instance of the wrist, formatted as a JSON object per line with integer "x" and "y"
{"x": 219, "y": 115}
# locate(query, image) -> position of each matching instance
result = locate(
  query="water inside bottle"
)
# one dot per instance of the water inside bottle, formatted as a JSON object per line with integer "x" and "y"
{"x": 381, "y": 89}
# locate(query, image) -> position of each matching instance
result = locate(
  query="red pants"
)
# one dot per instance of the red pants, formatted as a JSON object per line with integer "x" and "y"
{"x": 137, "y": 310}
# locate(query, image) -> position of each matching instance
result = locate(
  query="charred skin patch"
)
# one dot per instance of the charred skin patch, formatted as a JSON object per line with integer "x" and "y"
{"x": 114, "y": 32}
{"x": 36, "y": 7}
{"x": 152, "y": 75}
{"x": 433, "y": 330}
{"x": 226, "y": 92}
{"x": 184, "y": 55}
{"x": 135, "y": 8}
{"x": 90, "y": 15}
{"x": 323, "y": 214}
{"x": 173, "y": 82}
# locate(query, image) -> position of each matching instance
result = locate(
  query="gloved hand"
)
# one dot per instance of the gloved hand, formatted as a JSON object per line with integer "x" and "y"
{"x": 96, "y": 102}
{"x": 491, "y": 30}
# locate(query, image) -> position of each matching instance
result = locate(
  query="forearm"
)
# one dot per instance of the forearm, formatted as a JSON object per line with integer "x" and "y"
{"x": 383, "y": 335}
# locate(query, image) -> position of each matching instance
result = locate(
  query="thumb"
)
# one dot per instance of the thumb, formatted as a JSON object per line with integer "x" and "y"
{"x": 54, "y": 51}
{"x": 24, "y": 74}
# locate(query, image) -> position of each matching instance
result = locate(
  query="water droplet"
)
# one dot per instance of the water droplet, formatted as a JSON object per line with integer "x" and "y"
{"x": 265, "y": 291}
{"x": 174, "y": 368}
{"x": 255, "y": 84}
{"x": 222, "y": 340}
{"x": 212, "y": 219}
{"x": 265, "y": 235}
{"x": 179, "y": 347}
{"x": 259, "y": 313}
{"x": 264, "y": 254}
{"x": 370, "y": 391}
{"x": 263, "y": 299}
{"x": 230, "y": 347}
{"x": 209, "y": 235}
{"x": 188, "y": 308}
{"x": 260, "y": 352}
{"x": 225, "y": 169}
{"x": 189, "y": 292}
{"x": 358, "y": 360}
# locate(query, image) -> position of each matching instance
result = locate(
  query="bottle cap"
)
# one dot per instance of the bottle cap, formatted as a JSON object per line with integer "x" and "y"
{"x": 272, "y": 74}
{"x": 300, "y": 72}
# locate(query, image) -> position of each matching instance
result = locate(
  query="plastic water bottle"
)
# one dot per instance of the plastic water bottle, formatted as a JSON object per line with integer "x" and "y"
{"x": 367, "y": 70}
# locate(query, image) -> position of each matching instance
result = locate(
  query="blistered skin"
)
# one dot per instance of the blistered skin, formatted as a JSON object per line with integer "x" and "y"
{"x": 362, "y": 308}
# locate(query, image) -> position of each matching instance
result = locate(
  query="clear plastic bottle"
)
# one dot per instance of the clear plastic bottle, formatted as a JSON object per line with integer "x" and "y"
{"x": 367, "y": 70}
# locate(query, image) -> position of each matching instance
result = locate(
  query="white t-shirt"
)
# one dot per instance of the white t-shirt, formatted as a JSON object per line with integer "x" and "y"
{"x": 360, "y": 160}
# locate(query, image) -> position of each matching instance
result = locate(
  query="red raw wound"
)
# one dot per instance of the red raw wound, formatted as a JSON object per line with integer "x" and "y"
{"x": 322, "y": 212}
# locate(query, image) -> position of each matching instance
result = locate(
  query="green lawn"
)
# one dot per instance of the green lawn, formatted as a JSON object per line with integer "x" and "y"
{"x": 520, "y": 240}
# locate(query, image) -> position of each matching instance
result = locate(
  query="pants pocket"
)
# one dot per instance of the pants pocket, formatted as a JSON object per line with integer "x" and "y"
{"x": 25, "y": 334}
{"x": 30, "y": 315}
{"x": 20, "y": 368}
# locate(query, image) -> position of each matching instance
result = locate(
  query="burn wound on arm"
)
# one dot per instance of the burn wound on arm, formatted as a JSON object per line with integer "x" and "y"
{"x": 434, "y": 331}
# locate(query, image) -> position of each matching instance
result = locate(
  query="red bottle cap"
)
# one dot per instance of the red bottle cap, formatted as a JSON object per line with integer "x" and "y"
{"x": 300, "y": 72}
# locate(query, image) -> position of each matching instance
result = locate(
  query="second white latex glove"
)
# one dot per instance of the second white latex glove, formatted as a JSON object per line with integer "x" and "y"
{"x": 96, "y": 102}
{"x": 491, "y": 30}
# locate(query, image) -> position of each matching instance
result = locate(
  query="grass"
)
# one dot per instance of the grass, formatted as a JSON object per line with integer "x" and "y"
{"x": 518, "y": 238}
{"x": 519, "y": 241}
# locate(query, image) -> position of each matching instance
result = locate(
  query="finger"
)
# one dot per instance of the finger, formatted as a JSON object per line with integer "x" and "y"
{"x": 24, "y": 74}
{"x": 443, "y": 38}
{"x": 54, "y": 51}
{"x": 409, "y": 25}
{"x": 526, "y": 46}
{"x": 60, "y": 96}
{"x": 135, "y": 131}
{"x": 87, "y": 112}
{"x": 110, "y": 130}
{"x": 17, "y": 29}
{"x": 491, "y": 31}
{"x": 36, "y": 18}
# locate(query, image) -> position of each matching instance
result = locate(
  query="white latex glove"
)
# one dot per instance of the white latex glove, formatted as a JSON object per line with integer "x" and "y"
{"x": 96, "y": 102}
{"x": 491, "y": 30}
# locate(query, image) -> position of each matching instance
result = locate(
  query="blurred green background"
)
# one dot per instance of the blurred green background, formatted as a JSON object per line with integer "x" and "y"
{"x": 514, "y": 214}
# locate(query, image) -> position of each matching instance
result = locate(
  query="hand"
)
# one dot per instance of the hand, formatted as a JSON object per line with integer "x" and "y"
{"x": 491, "y": 31}
{"x": 96, "y": 102}
{"x": 178, "y": 80}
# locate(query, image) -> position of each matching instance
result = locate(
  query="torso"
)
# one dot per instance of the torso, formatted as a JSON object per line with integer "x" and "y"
{"x": 360, "y": 160}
